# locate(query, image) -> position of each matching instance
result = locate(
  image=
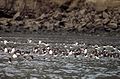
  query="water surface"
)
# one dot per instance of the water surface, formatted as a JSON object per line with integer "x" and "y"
{"x": 61, "y": 67}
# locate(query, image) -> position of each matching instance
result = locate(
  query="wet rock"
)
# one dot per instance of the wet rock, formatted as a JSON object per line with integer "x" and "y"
{"x": 108, "y": 77}
{"x": 2, "y": 27}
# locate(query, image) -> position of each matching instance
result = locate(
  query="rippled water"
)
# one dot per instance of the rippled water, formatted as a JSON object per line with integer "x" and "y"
{"x": 49, "y": 67}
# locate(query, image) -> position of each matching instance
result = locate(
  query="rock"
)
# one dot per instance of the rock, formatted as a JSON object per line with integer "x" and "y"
{"x": 101, "y": 5}
{"x": 79, "y": 28}
{"x": 58, "y": 16}
{"x": 4, "y": 21}
{"x": 82, "y": 11}
{"x": 69, "y": 26}
{"x": 98, "y": 23}
{"x": 105, "y": 21}
{"x": 16, "y": 15}
{"x": 1, "y": 27}
{"x": 48, "y": 25}
{"x": 20, "y": 23}
{"x": 41, "y": 17}
{"x": 89, "y": 25}
{"x": 31, "y": 25}
{"x": 73, "y": 4}
{"x": 34, "y": 26}
{"x": 113, "y": 25}
{"x": 12, "y": 23}
{"x": 83, "y": 24}
{"x": 105, "y": 15}
{"x": 27, "y": 24}
{"x": 57, "y": 24}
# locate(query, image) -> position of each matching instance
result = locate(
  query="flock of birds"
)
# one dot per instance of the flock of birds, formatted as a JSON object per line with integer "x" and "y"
{"x": 75, "y": 50}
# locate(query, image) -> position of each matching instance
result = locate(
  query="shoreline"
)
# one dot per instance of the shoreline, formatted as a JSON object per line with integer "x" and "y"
{"x": 84, "y": 18}
{"x": 89, "y": 39}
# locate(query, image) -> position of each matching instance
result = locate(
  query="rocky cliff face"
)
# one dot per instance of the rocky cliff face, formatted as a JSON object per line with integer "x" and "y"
{"x": 101, "y": 5}
{"x": 60, "y": 15}
{"x": 34, "y": 8}
{"x": 31, "y": 8}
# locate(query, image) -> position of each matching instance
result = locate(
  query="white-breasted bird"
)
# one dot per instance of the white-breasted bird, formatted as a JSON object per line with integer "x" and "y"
{"x": 29, "y": 41}
{"x": 5, "y": 42}
{"x": 39, "y": 42}
{"x": 5, "y": 50}
{"x": 50, "y": 52}
{"x": 85, "y": 51}
{"x": 70, "y": 53}
{"x": 14, "y": 56}
{"x": 13, "y": 50}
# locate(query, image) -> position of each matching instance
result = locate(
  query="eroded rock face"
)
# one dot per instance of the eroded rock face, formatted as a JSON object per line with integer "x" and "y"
{"x": 31, "y": 8}
{"x": 35, "y": 15}
{"x": 34, "y": 8}
{"x": 101, "y": 5}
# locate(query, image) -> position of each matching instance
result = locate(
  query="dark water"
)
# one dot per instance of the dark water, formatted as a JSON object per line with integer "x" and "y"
{"x": 50, "y": 67}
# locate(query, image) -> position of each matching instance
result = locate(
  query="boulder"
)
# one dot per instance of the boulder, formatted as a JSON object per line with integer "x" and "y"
{"x": 105, "y": 21}
{"x": 105, "y": 15}
{"x": 113, "y": 25}
{"x": 3, "y": 21}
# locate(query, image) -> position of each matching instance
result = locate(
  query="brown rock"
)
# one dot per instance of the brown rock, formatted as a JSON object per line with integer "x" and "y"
{"x": 68, "y": 26}
{"x": 34, "y": 26}
{"x": 98, "y": 23}
{"x": 79, "y": 28}
{"x": 58, "y": 16}
{"x": 73, "y": 4}
{"x": 16, "y": 15}
{"x": 82, "y": 11}
{"x": 89, "y": 25}
{"x": 13, "y": 23}
{"x": 20, "y": 23}
{"x": 31, "y": 25}
{"x": 83, "y": 24}
{"x": 105, "y": 21}
{"x": 48, "y": 25}
{"x": 28, "y": 24}
{"x": 105, "y": 15}
{"x": 101, "y": 5}
{"x": 4, "y": 21}
{"x": 41, "y": 17}
{"x": 113, "y": 25}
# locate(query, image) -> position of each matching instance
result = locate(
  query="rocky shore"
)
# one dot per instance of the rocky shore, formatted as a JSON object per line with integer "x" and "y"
{"x": 84, "y": 18}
